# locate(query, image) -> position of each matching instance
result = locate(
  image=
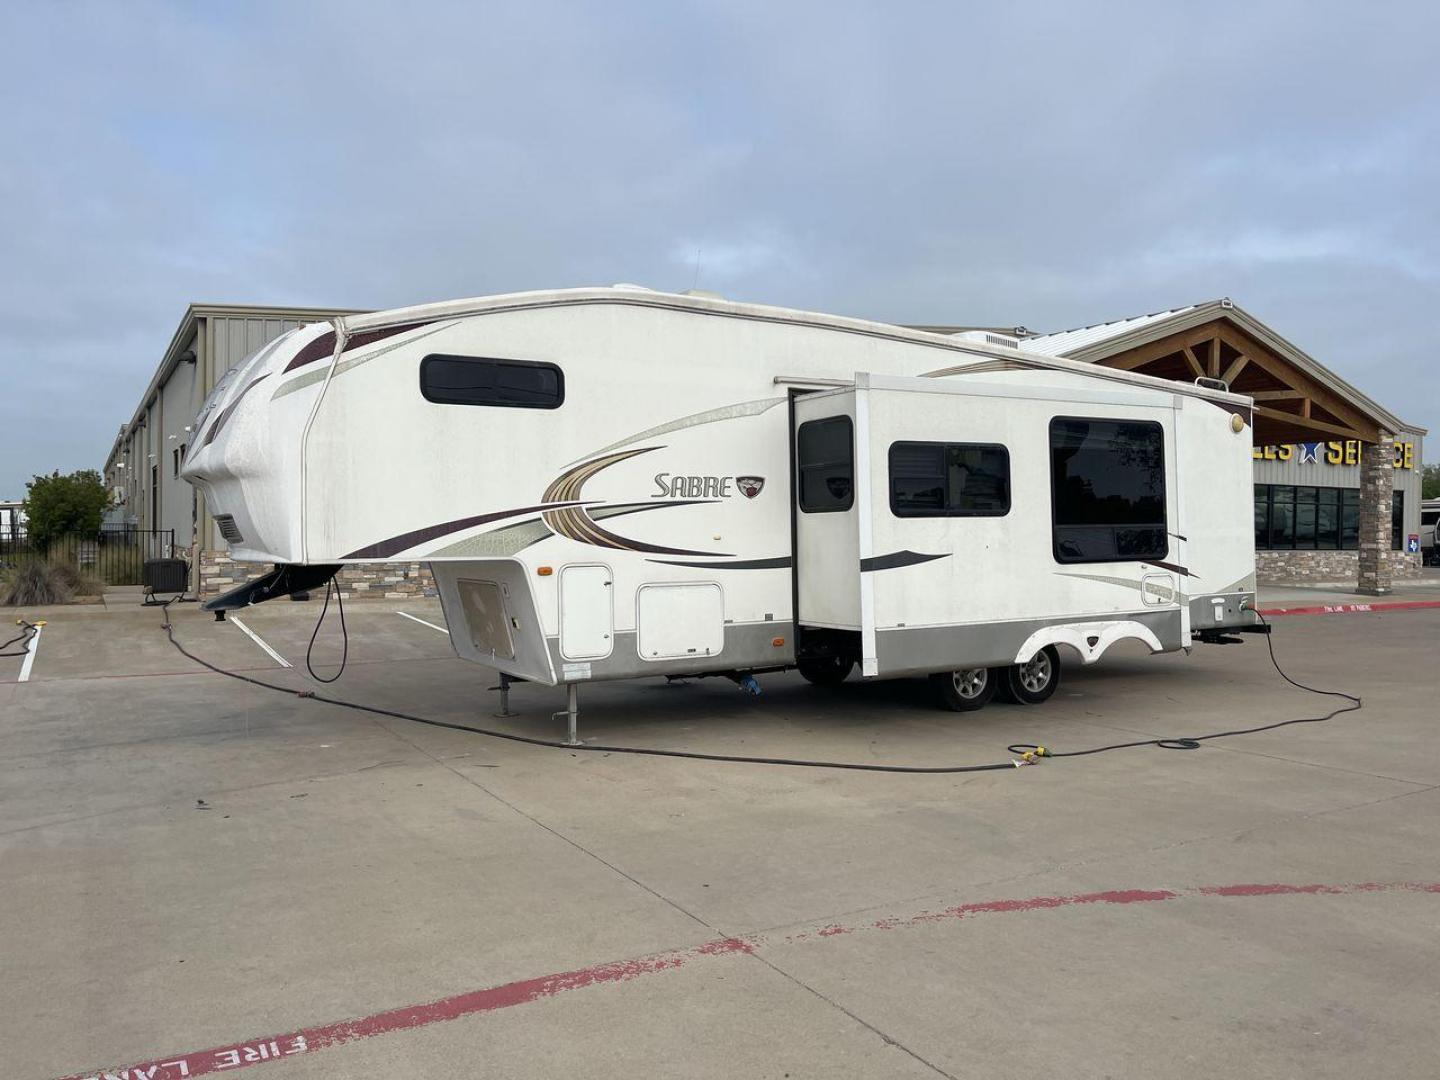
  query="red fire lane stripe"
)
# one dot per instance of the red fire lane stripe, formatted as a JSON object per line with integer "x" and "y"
{"x": 309, "y": 1040}
{"x": 1350, "y": 609}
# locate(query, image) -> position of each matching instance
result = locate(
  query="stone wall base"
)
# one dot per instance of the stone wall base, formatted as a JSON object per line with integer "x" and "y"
{"x": 1315, "y": 567}
{"x": 391, "y": 581}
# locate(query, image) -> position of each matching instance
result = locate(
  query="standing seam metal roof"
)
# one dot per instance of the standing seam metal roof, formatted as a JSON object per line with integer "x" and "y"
{"x": 1063, "y": 342}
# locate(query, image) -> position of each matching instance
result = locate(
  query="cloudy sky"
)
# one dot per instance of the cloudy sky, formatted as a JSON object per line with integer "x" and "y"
{"x": 1046, "y": 164}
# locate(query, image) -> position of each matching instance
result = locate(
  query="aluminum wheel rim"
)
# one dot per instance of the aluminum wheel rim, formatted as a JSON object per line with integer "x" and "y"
{"x": 970, "y": 683}
{"x": 1035, "y": 675}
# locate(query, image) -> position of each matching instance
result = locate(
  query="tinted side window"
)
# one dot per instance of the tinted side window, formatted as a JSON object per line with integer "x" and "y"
{"x": 476, "y": 380}
{"x": 825, "y": 459}
{"x": 1108, "y": 484}
{"x": 949, "y": 480}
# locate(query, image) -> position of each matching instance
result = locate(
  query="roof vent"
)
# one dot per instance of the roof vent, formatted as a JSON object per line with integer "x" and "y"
{"x": 1005, "y": 342}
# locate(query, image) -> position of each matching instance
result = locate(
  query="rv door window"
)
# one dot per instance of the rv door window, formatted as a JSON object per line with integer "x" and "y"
{"x": 476, "y": 380}
{"x": 1108, "y": 483}
{"x": 825, "y": 457}
{"x": 949, "y": 480}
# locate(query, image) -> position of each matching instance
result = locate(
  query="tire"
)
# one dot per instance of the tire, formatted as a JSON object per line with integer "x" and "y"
{"x": 967, "y": 689}
{"x": 1032, "y": 682}
{"x": 825, "y": 670}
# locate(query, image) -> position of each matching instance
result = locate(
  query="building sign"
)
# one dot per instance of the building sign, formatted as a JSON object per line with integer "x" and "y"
{"x": 1330, "y": 453}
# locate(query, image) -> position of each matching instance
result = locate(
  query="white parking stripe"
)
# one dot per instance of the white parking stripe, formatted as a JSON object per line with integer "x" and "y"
{"x": 422, "y": 622}
{"x": 260, "y": 641}
{"x": 30, "y": 650}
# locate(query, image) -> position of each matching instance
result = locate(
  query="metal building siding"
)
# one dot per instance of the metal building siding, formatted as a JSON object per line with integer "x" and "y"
{"x": 177, "y": 412}
{"x": 1317, "y": 474}
{"x": 234, "y": 337}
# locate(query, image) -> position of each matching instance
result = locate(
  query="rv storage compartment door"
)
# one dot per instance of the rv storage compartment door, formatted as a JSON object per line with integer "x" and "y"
{"x": 486, "y": 618}
{"x": 587, "y": 612}
{"x": 680, "y": 620}
{"x": 826, "y": 504}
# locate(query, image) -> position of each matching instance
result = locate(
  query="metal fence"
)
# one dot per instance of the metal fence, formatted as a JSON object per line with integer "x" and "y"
{"x": 116, "y": 556}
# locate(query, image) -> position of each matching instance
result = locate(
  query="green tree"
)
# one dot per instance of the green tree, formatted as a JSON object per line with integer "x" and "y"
{"x": 1430, "y": 482}
{"x": 58, "y": 504}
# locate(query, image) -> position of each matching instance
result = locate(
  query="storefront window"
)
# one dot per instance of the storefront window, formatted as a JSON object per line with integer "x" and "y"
{"x": 1294, "y": 518}
{"x": 1305, "y": 502}
{"x": 1397, "y": 520}
{"x": 1350, "y": 518}
{"x": 1327, "y": 518}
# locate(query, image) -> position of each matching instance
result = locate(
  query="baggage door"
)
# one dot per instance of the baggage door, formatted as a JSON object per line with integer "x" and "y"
{"x": 826, "y": 508}
{"x": 587, "y": 611}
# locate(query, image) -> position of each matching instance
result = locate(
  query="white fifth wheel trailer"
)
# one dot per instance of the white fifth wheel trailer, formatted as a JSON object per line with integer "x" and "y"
{"x": 615, "y": 483}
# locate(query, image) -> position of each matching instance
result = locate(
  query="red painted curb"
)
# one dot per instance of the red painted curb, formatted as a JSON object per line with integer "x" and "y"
{"x": 1350, "y": 609}
{"x": 257, "y": 1051}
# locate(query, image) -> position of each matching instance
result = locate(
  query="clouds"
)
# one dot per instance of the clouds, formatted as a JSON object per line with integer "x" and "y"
{"x": 1046, "y": 164}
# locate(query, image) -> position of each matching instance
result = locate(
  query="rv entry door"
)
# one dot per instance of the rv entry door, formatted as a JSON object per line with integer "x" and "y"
{"x": 827, "y": 509}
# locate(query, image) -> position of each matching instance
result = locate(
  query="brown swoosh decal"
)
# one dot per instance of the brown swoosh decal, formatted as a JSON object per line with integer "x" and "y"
{"x": 225, "y": 414}
{"x": 396, "y": 544}
{"x": 574, "y": 523}
{"x": 897, "y": 559}
{"x": 324, "y": 346}
{"x": 1183, "y": 571}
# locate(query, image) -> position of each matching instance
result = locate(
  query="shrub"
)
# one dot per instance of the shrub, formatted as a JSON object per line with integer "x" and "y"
{"x": 58, "y": 504}
{"x": 36, "y": 582}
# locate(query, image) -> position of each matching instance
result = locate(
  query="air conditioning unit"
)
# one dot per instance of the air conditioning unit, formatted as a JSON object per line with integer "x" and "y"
{"x": 166, "y": 576}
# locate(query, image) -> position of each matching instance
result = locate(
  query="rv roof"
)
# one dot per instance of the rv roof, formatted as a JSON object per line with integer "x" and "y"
{"x": 631, "y": 296}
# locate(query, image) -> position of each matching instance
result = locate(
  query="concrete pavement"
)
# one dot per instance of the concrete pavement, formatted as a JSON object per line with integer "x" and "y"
{"x": 192, "y": 866}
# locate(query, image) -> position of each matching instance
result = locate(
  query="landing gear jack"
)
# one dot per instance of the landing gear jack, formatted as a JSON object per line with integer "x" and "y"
{"x": 571, "y": 712}
{"x": 504, "y": 689}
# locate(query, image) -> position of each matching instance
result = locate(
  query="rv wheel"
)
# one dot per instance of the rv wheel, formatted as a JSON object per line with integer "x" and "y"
{"x": 825, "y": 670}
{"x": 967, "y": 689}
{"x": 1034, "y": 681}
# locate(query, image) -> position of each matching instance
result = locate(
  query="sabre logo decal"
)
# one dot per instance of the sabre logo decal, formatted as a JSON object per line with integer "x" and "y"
{"x": 670, "y": 486}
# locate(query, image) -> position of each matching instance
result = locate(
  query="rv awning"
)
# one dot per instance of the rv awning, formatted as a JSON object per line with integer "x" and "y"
{"x": 1296, "y": 398}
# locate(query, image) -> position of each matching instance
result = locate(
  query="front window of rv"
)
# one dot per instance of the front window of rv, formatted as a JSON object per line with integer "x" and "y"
{"x": 1108, "y": 489}
{"x": 949, "y": 480}
{"x": 477, "y": 380}
{"x": 825, "y": 457}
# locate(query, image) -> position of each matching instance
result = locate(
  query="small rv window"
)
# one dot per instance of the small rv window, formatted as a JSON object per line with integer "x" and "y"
{"x": 475, "y": 380}
{"x": 949, "y": 480}
{"x": 1108, "y": 483}
{"x": 825, "y": 457}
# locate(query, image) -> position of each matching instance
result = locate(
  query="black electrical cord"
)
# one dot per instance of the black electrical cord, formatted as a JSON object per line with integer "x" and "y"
{"x": 1193, "y": 742}
{"x": 25, "y": 635}
{"x": 344, "y": 633}
{"x": 746, "y": 760}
